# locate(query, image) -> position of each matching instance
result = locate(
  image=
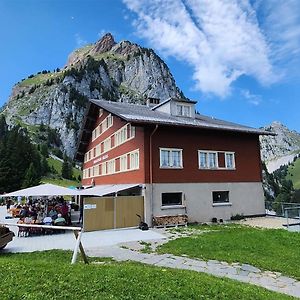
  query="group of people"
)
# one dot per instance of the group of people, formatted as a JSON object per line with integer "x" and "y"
{"x": 54, "y": 211}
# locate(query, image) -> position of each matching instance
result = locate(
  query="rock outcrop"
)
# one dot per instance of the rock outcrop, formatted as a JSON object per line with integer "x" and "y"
{"x": 280, "y": 149}
{"x": 105, "y": 70}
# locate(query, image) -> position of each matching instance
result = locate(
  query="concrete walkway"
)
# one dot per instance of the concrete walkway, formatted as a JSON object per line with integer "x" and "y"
{"x": 242, "y": 272}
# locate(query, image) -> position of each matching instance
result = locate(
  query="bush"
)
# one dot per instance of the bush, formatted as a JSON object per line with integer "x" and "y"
{"x": 237, "y": 217}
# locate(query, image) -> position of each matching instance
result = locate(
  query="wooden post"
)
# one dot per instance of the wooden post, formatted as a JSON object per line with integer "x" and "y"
{"x": 84, "y": 257}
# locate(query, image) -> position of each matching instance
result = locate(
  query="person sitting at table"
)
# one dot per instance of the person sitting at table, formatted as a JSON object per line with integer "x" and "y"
{"x": 47, "y": 221}
{"x": 60, "y": 220}
{"x": 53, "y": 213}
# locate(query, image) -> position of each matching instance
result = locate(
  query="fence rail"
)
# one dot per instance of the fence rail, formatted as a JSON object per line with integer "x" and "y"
{"x": 278, "y": 209}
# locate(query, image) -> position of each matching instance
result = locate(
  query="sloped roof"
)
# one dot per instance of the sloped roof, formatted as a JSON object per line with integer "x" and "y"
{"x": 144, "y": 114}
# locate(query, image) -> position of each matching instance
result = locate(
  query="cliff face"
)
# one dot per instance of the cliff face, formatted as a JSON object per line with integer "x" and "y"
{"x": 280, "y": 149}
{"x": 105, "y": 70}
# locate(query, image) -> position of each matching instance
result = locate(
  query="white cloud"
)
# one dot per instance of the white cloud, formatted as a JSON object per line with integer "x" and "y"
{"x": 79, "y": 40}
{"x": 281, "y": 26}
{"x": 220, "y": 39}
{"x": 251, "y": 98}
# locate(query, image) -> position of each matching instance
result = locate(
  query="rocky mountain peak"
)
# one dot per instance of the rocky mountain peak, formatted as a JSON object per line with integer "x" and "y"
{"x": 104, "y": 44}
{"x": 107, "y": 70}
{"x": 125, "y": 48}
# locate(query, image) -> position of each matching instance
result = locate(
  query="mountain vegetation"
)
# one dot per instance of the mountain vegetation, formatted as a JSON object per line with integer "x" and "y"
{"x": 24, "y": 164}
{"x": 21, "y": 164}
{"x": 282, "y": 185}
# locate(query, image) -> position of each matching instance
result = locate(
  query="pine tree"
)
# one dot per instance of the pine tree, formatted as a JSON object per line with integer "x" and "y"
{"x": 66, "y": 170}
{"x": 31, "y": 177}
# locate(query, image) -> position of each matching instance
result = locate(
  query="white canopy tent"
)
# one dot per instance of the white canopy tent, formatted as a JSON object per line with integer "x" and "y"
{"x": 46, "y": 189}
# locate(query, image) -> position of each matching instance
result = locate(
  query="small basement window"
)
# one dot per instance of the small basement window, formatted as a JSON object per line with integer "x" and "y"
{"x": 169, "y": 199}
{"x": 220, "y": 197}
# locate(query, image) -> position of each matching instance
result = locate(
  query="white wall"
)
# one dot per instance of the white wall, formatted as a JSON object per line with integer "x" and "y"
{"x": 245, "y": 198}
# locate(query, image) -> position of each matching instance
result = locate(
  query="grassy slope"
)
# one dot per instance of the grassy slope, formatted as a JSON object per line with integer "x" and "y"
{"x": 294, "y": 174}
{"x": 274, "y": 250}
{"x": 49, "y": 275}
{"x": 56, "y": 179}
{"x": 39, "y": 79}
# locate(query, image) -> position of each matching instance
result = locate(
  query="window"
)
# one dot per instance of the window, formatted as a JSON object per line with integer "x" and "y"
{"x": 220, "y": 197}
{"x": 100, "y": 112}
{"x": 103, "y": 170}
{"x": 229, "y": 160}
{"x": 208, "y": 160}
{"x": 183, "y": 110}
{"x": 111, "y": 167}
{"x": 134, "y": 160}
{"x": 123, "y": 163}
{"x": 106, "y": 145}
{"x": 168, "y": 199}
{"x": 170, "y": 158}
{"x": 109, "y": 121}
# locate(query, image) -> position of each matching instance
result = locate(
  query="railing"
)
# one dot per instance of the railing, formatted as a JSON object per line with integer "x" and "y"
{"x": 289, "y": 211}
{"x": 278, "y": 209}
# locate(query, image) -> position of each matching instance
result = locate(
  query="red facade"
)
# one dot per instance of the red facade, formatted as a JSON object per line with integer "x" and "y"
{"x": 148, "y": 139}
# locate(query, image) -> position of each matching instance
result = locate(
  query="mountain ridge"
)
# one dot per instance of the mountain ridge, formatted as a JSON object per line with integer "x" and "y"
{"x": 103, "y": 70}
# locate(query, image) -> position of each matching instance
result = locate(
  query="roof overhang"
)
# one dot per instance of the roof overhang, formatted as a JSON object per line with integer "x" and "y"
{"x": 102, "y": 190}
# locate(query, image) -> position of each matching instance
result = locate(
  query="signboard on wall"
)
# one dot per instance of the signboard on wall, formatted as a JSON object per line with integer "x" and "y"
{"x": 90, "y": 206}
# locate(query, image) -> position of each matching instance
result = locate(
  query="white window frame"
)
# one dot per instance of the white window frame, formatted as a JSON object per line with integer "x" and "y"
{"x": 180, "y": 110}
{"x": 233, "y": 160}
{"x": 134, "y": 160}
{"x": 123, "y": 163}
{"x": 207, "y": 167}
{"x": 170, "y": 166}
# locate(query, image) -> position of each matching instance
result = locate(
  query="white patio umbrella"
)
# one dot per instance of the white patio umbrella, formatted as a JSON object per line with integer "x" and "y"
{"x": 46, "y": 189}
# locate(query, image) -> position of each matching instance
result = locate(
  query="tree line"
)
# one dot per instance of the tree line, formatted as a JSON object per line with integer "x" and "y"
{"x": 22, "y": 163}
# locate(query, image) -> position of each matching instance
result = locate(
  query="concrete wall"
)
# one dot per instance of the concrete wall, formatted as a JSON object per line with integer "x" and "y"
{"x": 244, "y": 198}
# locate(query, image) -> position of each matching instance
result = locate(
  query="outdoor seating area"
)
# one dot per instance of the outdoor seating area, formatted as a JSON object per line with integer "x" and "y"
{"x": 41, "y": 211}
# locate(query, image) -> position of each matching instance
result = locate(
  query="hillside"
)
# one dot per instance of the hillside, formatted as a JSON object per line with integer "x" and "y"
{"x": 56, "y": 101}
{"x": 54, "y": 176}
{"x": 294, "y": 173}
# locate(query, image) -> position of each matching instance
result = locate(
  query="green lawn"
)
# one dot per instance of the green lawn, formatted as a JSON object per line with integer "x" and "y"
{"x": 269, "y": 249}
{"x": 49, "y": 275}
{"x": 294, "y": 173}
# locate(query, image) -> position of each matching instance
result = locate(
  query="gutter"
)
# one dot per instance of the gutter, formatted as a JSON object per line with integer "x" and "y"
{"x": 151, "y": 170}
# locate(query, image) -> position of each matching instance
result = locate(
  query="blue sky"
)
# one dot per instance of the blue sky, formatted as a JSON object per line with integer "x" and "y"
{"x": 239, "y": 59}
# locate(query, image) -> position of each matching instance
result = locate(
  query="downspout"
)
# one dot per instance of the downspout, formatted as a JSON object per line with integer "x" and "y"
{"x": 151, "y": 171}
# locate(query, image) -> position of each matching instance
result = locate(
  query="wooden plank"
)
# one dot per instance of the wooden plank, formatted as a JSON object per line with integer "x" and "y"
{"x": 127, "y": 208}
{"x": 101, "y": 216}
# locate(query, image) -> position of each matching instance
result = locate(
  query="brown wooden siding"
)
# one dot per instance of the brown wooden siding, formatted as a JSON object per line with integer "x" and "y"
{"x": 132, "y": 176}
{"x": 245, "y": 146}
